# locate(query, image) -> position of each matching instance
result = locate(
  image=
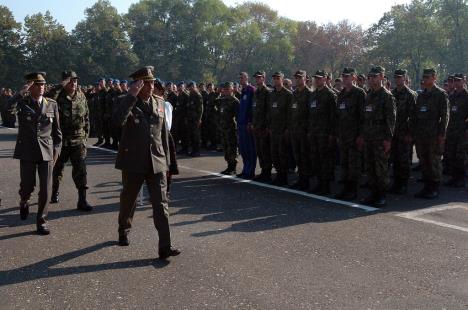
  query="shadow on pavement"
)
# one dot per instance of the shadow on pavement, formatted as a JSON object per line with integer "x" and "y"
{"x": 43, "y": 269}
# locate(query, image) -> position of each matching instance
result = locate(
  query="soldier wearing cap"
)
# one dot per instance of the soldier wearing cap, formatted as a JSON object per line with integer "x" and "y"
{"x": 74, "y": 122}
{"x": 378, "y": 127}
{"x": 279, "y": 104}
{"x": 260, "y": 111}
{"x": 180, "y": 118}
{"x": 401, "y": 152}
{"x": 350, "y": 103}
{"x": 429, "y": 127}
{"x": 297, "y": 128}
{"x": 457, "y": 133}
{"x": 228, "y": 109}
{"x": 143, "y": 156}
{"x": 194, "y": 118}
{"x": 321, "y": 132}
{"x": 38, "y": 144}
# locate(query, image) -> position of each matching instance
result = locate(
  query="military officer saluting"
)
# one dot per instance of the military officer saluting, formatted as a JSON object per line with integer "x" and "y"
{"x": 74, "y": 122}
{"x": 38, "y": 144}
{"x": 143, "y": 156}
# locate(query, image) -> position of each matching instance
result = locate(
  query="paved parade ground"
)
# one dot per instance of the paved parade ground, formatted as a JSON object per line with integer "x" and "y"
{"x": 244, "y": 246}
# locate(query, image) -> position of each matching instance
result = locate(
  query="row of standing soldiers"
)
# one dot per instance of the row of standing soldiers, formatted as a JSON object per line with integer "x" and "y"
{"x": 371, "y": 129}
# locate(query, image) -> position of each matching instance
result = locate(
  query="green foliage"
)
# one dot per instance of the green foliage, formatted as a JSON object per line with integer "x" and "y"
{"x": 207, "y": 40}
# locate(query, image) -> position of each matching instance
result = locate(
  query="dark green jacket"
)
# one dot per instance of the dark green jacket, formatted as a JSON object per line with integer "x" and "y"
{"x": 458, "y": 122}
{"x": 278, "y": 107}
{"x": 299, "y": 112}
{"x": 322, "y": 112}
{"x": 228, "y": 109}
{"x": 405, "y": 100}
{"x": 260, "y": 108}
{"x": 379, "y": 115}
{"x": 348, "y": 112}
{"x": 195, "y": 107}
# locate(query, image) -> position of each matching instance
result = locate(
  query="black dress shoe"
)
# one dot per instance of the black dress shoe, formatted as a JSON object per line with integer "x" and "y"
{"x": 24, "y": 210}
{"x": 123, "y": 241}
{"x": 43, "y": 229}
{"x": 164, "y": 253}
{"x": 55, "y": 197}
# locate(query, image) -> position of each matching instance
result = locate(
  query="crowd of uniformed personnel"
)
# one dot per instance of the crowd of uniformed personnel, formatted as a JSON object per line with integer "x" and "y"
{"x": 362, "y": 122}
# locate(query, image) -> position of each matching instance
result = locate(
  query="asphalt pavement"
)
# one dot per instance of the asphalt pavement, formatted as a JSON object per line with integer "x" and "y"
{"x": 244, "y": 246}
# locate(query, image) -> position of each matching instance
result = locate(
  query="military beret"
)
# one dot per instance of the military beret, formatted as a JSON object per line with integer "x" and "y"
{"x": 376, "y": 70}
{"x": 158, "y": 83}
{"x": 399, "y": 72}
{"x": 191, "y": 83}
{"x": 227, "y": 85}
{"x": 143, "y": 74}
{"x": 36, "y": 77}
{"x": 181, "y": 83}
{"x": 278, "y": 74}
{"x": 320, "y": 74}
{"x": 348, "y": 71}
{"x": 429, "y": 71}
{"x": 458, "y": 76}
{"x": 123, "y": 82}
{"x": 169, "y": 84}
{"x": 259, "y": 74}
{"x": 102, "y": 79}
{"x": 450, "y": 77}
{"x": 300, "y": 73}
{"x": 69, "y": 74}
{"x": 96, "y": 83}
{"x": 110, "y": 80}
{"x": 236, "y": 84}
{"x": 116, "y": 81}
{"x": 201, "y": 84}
{"x": 338, "y": 80}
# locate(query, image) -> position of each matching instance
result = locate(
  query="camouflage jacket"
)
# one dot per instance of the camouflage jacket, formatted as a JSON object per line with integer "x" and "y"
{"x": 349, "y": 106}
{"x": 299, "y": 111}
{"x": 379, "y": 115}
{"x": 431, "y": 114}
{"x": 195, "y": 107}
{"x": 322, "y": 114}
{"x": 278, "y": 107}
{"x": 260, "y": 108}
{"x": 458, "y": 122}
{"x": 228, "y": 109}
{"x": 405, "y": 100}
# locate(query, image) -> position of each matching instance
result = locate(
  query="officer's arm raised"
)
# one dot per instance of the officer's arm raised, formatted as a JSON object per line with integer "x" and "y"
{"x": 126, "y": 104}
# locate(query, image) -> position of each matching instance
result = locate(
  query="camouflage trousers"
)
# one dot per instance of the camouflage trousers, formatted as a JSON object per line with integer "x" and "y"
{"x": 77, "y": 156}
{"x": 429, "y": 154}
{"x": 401, "y": 159}
{"x": 229, "y": 142}
{"x": 457, "y": 147}
{"x": 351, "y": 161}
{"x": 263, "y": 148}
{"x": 377, "y": 166}
{"x": 322, "y": 157}
{"x": 301, "y": 151}
{"x": 279, "y": 143}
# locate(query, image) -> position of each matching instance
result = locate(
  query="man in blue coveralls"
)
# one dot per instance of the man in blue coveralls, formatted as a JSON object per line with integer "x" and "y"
{"x": 245, "y": 133}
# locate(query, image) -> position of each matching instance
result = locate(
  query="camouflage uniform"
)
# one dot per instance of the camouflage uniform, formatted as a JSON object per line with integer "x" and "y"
{"x": 228, "y": 109}
{"x": 260, "y": 108}
{"x": 194, "y": 117}
{"x": 456, "y": 138}
{"x": 349, "y": 106}
{"x": 429, "y": 121}
{"x": 321, "y": 130}
{"x": 74, "y": 122}
{"x": 279, "y": 104}
{"x": 379, "y": 115}
{"x": 401, "y": 153}
{"x": 297, "y": 128}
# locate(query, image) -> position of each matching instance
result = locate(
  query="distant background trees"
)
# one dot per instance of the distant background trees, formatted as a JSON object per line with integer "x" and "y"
{"x": 207, "y": 40}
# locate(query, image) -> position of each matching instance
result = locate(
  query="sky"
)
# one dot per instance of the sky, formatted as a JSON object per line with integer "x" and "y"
{"x": 360, "y": 12}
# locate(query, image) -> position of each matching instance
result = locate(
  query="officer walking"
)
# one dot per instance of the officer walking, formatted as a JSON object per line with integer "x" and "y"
{"x": 38, "y": 145}
{"x": 143, "y": 156}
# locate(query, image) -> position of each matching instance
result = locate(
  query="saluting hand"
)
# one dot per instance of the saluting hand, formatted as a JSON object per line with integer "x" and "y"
{"x": 135, "y": 88}
{"x": 25, "y": 88}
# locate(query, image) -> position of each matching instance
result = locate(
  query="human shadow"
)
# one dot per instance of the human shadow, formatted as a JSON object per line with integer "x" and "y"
{"x": 44, "y": 270}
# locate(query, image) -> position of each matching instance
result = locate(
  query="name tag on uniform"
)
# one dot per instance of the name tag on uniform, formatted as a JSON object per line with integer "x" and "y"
{"x": 275, "y": 105}
{"x": 454, "y": 108}
{"x": 368, "y": 108}
{"x": 221, "y": 110}
{"x": 28, "y": 118}
{"x": 245, "y": 97}
{"x": 423, "y": 109}
{"x": 294, "y": 106}
{"x": 342, "y": 106}
{"x": 313, "y": 104}
{"x": 137, "y": 121}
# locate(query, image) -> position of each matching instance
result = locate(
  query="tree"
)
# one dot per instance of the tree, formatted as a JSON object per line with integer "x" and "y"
{"x": 102, "y": 44}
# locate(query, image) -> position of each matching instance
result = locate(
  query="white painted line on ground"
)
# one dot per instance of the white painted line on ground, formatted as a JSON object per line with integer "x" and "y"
{"x": 288, "y": 190}
{"x": 416, "y": 216}
{"x": 282, "y": 189}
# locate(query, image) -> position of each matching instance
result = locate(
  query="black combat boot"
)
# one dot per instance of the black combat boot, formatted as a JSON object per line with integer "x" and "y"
{"x": 24, "y": 210}
{"x": 107, "y": 144}
{"x": 302, "y": 183}
{"x": 230, "y": 170}
{"x": 83, "y": 204}
{"x": 322, "y": 188}
{"x": 351, "y": 192}
{"x": 281, "y": 179}
{"x": 55, "y": 193}
{"x": 399, "y": 187}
